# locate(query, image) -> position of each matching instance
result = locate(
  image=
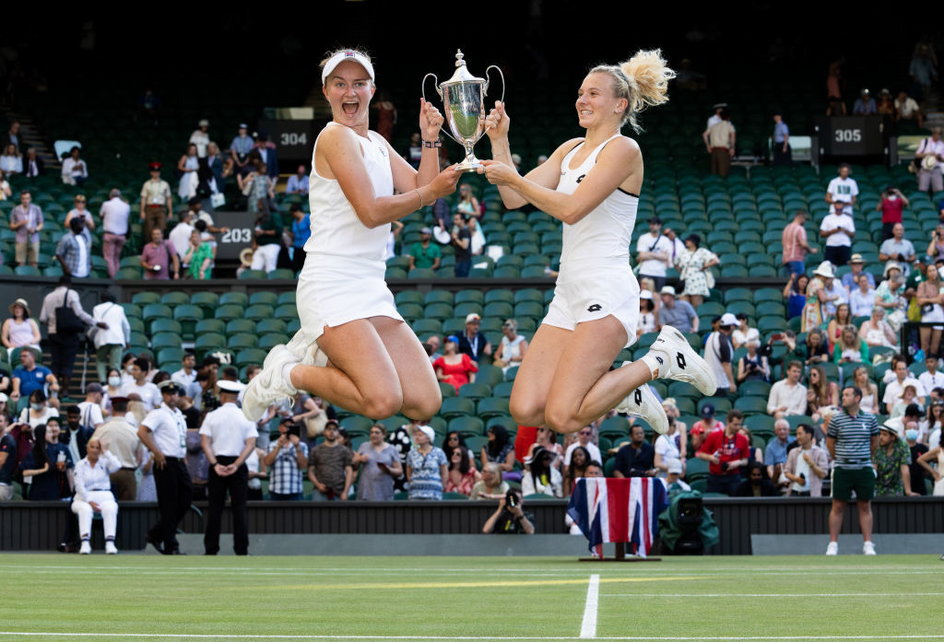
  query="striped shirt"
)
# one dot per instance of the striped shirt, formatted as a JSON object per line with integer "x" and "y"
{"x": 853, "y": 437}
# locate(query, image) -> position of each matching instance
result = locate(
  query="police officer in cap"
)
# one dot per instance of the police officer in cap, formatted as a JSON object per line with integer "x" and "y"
{"x": 164, "y": 433}
{"x": 227, "y": 438}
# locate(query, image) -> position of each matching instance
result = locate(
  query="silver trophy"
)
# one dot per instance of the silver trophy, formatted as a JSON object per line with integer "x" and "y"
{"x": 463, "y": 107}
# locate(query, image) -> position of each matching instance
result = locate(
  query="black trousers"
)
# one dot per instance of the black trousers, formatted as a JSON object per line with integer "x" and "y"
{"x": 174, "y": 495}
{"x": 838, "y": 255}
{"x": 237, "y": 485}
{"x": 62, "y": 350}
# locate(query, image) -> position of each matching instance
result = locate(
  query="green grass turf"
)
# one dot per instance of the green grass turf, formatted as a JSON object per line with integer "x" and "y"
{"x": 485, "y": 598}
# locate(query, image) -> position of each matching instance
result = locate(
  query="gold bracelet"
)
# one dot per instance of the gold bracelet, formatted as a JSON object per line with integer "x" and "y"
{"x": 420, "y": 196}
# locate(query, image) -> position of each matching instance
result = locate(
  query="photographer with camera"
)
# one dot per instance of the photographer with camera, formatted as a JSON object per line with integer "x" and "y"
{"x": 286, "y": 459}
{"x": 726, "y": 452}
{"x": 891, "y": 206}
{"x": 509, "y": 518}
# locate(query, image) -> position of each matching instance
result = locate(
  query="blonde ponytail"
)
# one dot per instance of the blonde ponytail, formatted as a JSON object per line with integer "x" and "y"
{"x": 643, "y": 81}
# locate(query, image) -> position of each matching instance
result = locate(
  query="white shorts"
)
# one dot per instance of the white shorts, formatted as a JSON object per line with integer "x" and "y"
{"x": 592, "y": 293}
{"x": 341, "y": 291}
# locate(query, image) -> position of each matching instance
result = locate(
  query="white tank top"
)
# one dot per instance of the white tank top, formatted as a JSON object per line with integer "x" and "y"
{"x": 335, "y": 229}
{"x": 603, "y": 236}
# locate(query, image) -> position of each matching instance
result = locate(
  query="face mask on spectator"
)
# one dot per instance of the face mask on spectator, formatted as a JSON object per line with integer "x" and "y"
{"x": 36, "y": 406}
{"x": 911, "y": 435}
{"x": 114, "y": 382}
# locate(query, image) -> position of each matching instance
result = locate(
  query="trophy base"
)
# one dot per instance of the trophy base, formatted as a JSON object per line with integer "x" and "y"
{"x": 469, "y": 165}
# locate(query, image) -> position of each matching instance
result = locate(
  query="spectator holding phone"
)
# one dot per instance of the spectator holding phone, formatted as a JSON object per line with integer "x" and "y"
{"x": 379, "y": 464}
{"x": 509, "y": 518}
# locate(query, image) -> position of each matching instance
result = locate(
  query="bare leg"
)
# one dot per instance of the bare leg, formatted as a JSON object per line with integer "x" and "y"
{"x": 422, "y": 397}
{"x": 925, "y": 333}
{"x": 530, "y": 392}
{"x": 361, "y": 376}
{"x": 865, "y": 519}
{"x": 580, "y": 395}
{"x": 835, "y": 519}
{"x": 935, "y": 342}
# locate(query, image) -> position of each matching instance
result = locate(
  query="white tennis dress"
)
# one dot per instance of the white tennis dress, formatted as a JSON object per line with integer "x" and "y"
{"x": 595, "y": 277}
{"x": 343, "y": 276}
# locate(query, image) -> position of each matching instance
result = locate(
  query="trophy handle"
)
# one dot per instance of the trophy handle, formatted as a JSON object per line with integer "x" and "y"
{"x": 488, "y": 80}
{"x": 423, "y": 86}
{"x": 438, "y": 91}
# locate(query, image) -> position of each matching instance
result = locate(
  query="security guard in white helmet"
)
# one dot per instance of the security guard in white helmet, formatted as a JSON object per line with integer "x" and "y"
{"x": 227, "y": 438}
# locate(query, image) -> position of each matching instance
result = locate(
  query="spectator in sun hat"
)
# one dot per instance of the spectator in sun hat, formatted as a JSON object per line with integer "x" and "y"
{"x": 850, "y": 280}
{"x": 719, "y": 352}
{"x": 20, "y": 330}
{"x": 201, "y": 137}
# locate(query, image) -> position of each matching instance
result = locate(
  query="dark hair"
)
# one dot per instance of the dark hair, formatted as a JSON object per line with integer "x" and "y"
{"x": 463, "y": 462}
{"x": 756, "y": 465}
{"x": 230, "y": 371}
{"x": 200, "y": 226}
{"x": 447, "y": 448}
{"x": 650, "y": 304}
{"x": 143, "y": 364}
{"x": 587, "y": 460}
{"x": 794, "y": 364}
{"x": 734, "y": 413}
{"x": 39, "y": 446}
{"x": 120, "y": 406}
{"x": 73, "y": 410}
{"x": 593, "y": 462}
{"x": 108, "y": 297}
{"x": 857, "y": 392}
{"x": 540, "y": 465}
{"x": 38, "y": 395}
{"x": 808, "y": 429}
{"x": 494, "y": 448}
{"x": 695, "y": 239}
{"x": 160, "y": 376}
{"x": 128, "y": 357}
{"x": 65, "y": 279}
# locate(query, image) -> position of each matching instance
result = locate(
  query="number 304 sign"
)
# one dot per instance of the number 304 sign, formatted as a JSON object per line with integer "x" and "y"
{"x": 293, "y": 138}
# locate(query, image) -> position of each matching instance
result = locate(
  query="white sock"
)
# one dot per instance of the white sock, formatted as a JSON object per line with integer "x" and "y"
{"x": 653, "y": 364}
{"x": 287, "y": 370}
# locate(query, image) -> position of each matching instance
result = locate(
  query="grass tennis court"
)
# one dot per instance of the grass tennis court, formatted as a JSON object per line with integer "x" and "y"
{"x": 65, "y": 597}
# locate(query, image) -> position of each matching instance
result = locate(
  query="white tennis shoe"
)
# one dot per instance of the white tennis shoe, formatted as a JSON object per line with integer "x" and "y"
{"x": 832, "y": 549}
{"x": 868, "y": 548}
{"x": 269, "y": 386}
{"x": 110, "y": 548}
{"x": 641, "y": 402}
{"x": 677, "y": 361}
{"x": 86, "y": 548}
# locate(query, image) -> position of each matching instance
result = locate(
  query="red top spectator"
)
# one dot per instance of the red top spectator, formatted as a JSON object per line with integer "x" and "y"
{"x": 726, "y": 447}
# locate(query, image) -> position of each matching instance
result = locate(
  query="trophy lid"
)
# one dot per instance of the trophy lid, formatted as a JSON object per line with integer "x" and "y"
{"x": 462, "y": 74}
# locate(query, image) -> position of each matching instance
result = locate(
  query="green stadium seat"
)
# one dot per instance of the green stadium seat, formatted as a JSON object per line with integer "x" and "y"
{"x": 457, "y": 407}
{"x": 751, "y": 405}
{"x": 240, "y": 325}
{"x": 467, "y": 426}
{"x": 281, "y": 273}
{"x": 286, "y": 312}
{"x": 206, "y": 300}
{"x": 489, "y": 407}
{"x": 721, "y": 404}
{"x": 489, "y": 375}
{"x": 475, "y": 391}
{"x": 266, "y": 326}
{"x": 252, "y": 274}
{"x": 469, "y": 296}
{"x": 210, "y": 325}
{"x": 241, "y": 341}
{"x": 175, "y": 298}
{"x": 228, "y": 312}
{"x": 234, "y": 298}
{"x": 503, "y": 389}
{"x": 264, "y": 298}
{"x": 259, "y": 311}
{"x": 499, "y": 295}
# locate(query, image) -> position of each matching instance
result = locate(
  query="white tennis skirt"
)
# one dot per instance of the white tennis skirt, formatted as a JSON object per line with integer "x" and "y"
{"x": 333, "y": 291}
{"x": 591, "y": 292}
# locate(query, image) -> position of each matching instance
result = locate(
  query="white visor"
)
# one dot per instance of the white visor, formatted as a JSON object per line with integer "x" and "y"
{"x": 340, "y": 57}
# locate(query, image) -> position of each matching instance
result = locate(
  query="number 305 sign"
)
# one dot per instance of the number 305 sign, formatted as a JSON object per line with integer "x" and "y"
{"x": 850, "y": 135}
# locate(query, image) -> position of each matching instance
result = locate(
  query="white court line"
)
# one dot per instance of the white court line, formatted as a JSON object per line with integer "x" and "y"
{"x": 690, "y": 595}
{"x": 588, "y": 627}
{"x": 243, "y": 636}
